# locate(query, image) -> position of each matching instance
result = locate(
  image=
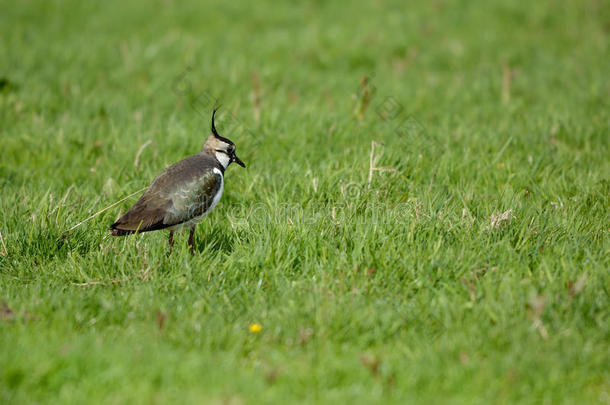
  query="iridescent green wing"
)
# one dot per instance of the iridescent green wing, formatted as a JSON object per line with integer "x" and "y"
{"x": 194, "y": 197}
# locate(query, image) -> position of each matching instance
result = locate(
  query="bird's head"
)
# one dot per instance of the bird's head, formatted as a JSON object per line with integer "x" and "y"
{"x": 222, "y": 148}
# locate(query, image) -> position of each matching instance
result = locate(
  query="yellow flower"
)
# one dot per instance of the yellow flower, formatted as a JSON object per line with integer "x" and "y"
{"x": 255, "y": 327}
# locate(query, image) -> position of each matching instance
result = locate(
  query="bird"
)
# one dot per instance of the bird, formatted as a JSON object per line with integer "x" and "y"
{"x": 183, "y": 193}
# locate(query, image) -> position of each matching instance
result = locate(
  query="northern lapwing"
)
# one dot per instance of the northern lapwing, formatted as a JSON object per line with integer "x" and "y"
{"x": 183, "y": 193}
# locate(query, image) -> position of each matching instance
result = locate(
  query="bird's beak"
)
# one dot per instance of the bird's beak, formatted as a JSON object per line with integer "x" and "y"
{"x": 237, "y": 160}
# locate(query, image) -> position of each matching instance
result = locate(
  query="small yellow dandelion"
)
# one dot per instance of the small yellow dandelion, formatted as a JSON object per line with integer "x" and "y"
{"x": 255, "y": 327}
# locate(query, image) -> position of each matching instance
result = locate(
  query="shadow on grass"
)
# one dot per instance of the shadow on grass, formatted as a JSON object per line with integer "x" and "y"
{"x": 216, "y": 239}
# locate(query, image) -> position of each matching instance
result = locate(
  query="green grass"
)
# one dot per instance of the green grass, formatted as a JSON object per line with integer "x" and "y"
{"x": 395, "y": 291}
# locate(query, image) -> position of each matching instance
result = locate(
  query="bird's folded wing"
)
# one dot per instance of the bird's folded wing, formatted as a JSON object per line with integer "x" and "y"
{"x": 164, "y": 205}
{"x": 148, "y": 214}
{"x": 194, "y": 198}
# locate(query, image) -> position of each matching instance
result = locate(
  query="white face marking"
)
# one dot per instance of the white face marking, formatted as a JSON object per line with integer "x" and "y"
{"x": 223, "y": 158}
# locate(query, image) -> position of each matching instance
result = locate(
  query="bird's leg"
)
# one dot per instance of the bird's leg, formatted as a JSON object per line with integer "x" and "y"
{"x": 171, "y": 242}
{"x": 191, "y": 240}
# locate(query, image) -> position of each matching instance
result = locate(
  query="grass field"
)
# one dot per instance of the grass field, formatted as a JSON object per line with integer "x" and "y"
{"x": 475, "y": 269}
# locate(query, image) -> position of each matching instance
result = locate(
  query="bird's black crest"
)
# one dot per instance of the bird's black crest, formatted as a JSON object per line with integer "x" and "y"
{"x": 214, "y": 131}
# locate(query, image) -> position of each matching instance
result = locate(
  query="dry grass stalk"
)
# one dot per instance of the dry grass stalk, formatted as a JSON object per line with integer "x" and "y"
{"x": 366, "y": 94}
{"x": 4, "y": 250}
{"x": 498, "y": 220}
{"x": 137, "y": 161}
{"x": 104, "y": 209}
{"x": 373, "y": 162}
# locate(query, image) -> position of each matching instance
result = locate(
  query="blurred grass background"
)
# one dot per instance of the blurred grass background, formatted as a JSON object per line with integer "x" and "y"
{"x": 475, "y": 271}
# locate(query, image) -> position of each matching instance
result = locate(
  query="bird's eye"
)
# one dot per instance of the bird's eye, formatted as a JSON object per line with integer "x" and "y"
{"x": 231, "y": 148}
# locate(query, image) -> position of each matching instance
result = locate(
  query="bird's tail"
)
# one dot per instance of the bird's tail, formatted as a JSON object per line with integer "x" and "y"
{"x": 114, "y": 231}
